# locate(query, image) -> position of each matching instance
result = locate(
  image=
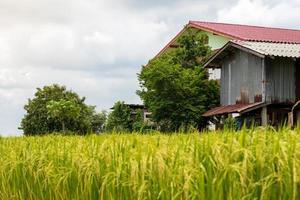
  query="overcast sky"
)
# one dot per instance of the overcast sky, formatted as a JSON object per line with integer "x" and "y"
{"x": 96, "y": 47}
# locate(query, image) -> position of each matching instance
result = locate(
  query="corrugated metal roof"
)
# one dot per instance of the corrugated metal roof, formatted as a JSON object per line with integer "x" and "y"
{"x": 257, "y": 48}
{"x": 272, "y": 49}
{"x": 250, "y": 33}
{"x": 236, "y": 108}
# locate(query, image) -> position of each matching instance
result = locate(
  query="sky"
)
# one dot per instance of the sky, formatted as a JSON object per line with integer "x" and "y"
{"x": 96, "y": 47}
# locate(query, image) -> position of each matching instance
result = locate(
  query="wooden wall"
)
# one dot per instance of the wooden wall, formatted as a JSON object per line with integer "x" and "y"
{"x": 241, "y": 78}
{"x": 280, "y": 84}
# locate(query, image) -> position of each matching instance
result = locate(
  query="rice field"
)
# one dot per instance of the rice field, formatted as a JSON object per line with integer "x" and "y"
{"x": 249, "y": 164}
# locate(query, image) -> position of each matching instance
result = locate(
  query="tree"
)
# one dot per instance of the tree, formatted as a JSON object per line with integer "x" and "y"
{"x": 98, "y": 121}
{"x": 140, "y": 125}
{"x": 120, "y": 118}
{"x": 54, "y": 109}
{"x": 64, "y": 111}
{"x": 175, "y": 85}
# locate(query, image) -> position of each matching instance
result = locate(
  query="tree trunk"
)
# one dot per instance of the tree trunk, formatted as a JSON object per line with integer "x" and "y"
{"x": 63, "y": 126}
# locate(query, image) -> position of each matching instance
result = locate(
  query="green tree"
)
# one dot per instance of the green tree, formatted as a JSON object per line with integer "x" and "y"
{"x": 120, "y": 118}
{"x": 40, "y": 119}
{"x": 175, "y": 85}
{"x": 98, "y": 122}
{"x": 140, "y": 125}
{"x": 64, "y": 111}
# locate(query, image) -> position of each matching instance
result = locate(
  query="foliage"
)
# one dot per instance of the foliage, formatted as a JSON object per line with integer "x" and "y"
{"x": 120, "y": 118}
{"x": 63, "y": 110}
{"x": 138, "y": 123}
{"x": 141, "y": 126}
{"x": 123, "y": 119}
{"x": 98, "y": 121}
{"x": 175, "y": 86}
{"x": 54, "y": 109}
{"x": 230, "y": 123}
{"x": 248, "y": 164}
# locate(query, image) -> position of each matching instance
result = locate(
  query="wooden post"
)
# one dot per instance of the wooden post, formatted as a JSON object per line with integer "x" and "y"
{"x": 264, "y": 116}
{"x": 229, "y": 84}
{"x": 263, "y": 77}
{"x": 273, "y": 118}
{"x": 291, "y": 119}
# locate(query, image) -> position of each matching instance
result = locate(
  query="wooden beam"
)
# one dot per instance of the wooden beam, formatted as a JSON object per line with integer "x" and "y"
{"x": 264, "y": 116}
{"x": 173, "y": 45}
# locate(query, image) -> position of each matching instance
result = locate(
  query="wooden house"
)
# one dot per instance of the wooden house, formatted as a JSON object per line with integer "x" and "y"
{"x": 259, "y": 68}
{"x": 220, "y": 34}
{"x": 260, "y": 80}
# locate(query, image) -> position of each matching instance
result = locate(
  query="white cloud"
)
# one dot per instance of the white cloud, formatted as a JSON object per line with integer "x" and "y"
{"x": 259, "y": 12}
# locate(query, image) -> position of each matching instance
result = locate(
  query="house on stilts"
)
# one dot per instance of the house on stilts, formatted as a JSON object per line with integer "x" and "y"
{"x": 259, "y": 71}
{"x": 260, "y": 81}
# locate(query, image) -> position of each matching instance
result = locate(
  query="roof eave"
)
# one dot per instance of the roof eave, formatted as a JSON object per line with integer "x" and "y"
{"x": 193, "y": 25}
{"x": 207, "y": 64}
{"x": 172, "y": 41}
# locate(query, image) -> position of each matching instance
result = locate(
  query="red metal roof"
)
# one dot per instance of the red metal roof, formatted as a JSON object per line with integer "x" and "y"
{"x": 235, "y": 108}
{"x": 249, "y": 33}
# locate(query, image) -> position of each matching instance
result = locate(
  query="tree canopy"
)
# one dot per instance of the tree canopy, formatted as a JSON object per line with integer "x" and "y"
{"x": 64, "y": 111}
{"x": 126, "y": 119}
{"x": 175, "y": 86}
{"x": 55, "y": 109}
{"x": 119, "y": 119}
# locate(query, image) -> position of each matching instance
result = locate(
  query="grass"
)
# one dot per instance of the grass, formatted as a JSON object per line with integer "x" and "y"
{"x": 250, "y": 164}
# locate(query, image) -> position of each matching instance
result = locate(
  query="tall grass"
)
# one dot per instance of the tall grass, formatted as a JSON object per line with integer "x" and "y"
{"x": 250, "y": 164}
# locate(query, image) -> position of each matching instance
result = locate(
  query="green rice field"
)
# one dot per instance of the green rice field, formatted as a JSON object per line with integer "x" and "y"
{"x": 248, "y": 164}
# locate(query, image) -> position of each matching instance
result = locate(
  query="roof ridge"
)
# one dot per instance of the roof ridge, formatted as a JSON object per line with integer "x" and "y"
{"x": 266, "y": 27}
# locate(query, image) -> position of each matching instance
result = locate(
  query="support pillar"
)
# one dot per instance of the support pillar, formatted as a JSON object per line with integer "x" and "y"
{"x": 291, "y": 119}
{"x": 264, "y": 116}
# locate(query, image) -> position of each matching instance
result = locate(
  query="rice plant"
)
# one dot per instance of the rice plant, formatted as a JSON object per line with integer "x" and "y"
{"x": 258, "y": 163}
